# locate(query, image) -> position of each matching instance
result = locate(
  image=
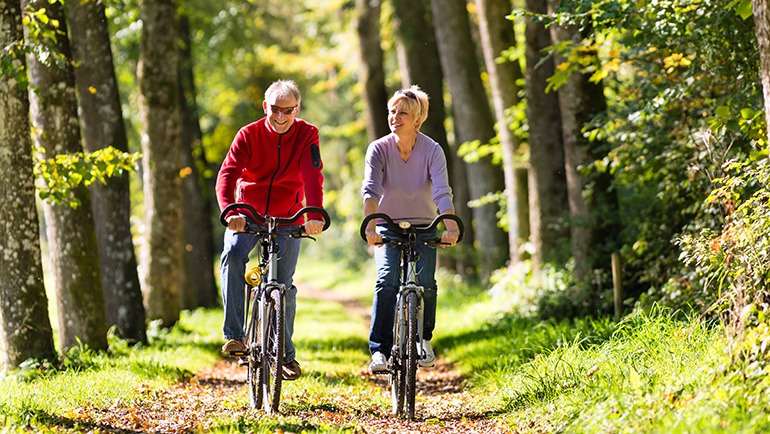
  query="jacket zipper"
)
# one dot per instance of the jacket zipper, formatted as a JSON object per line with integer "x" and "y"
{"x": 270, "y": 187}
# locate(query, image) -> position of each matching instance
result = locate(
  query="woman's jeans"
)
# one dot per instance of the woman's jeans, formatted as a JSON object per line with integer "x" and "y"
{"x": 232, "y": 267}
{"x": 388, "y": 261}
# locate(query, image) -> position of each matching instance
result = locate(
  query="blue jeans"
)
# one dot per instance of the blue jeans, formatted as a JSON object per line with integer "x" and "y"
{"x": 386, "y": 287}
{"x": 232, "y": 267}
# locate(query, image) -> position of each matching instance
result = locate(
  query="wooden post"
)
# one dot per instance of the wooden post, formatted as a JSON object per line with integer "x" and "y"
{"x": 617, "y": 283}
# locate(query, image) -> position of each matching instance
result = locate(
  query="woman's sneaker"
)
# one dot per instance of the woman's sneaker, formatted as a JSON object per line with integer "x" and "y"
{"x": 430, "y": 358}
{"x": 379, "y": 363}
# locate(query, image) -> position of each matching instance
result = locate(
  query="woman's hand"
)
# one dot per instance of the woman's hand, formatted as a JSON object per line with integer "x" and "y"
{"x": 373, "y": 238}
{"x": 449, "y": 239}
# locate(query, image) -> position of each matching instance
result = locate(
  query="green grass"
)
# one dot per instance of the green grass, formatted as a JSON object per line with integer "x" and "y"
{"x": 650, "y": 373}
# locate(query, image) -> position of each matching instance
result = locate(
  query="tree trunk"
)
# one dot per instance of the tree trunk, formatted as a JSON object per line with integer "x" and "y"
{"x": 580, "y": 100}
{"x": 497, "y": 34}
{"x": 547, "y": 181}
{"x": 159, "y": 109}
{"x": 103, "y": 127}
{"x": 71, "y": 231}
{"x": 762, "y": 30}
{"x": 372, "y": 74}
{"x": 473, "y": 121}
{"x": 25, "y": 329}
{"x": 199, "y": 245}
{"x": 420, "y": 65}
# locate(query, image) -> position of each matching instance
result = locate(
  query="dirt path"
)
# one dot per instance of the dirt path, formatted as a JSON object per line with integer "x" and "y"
{"x": 217, "y": 392}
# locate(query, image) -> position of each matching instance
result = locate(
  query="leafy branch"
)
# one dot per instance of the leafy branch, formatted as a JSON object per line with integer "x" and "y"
{"x": 61, "y": 175}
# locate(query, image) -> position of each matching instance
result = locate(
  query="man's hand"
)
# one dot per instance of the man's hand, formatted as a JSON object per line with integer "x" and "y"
{"x": 236, "y": 223}
{"x": 314, "y": 227}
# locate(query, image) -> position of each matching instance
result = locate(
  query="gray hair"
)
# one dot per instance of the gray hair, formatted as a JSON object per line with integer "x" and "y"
{"x": 283, "y": 89}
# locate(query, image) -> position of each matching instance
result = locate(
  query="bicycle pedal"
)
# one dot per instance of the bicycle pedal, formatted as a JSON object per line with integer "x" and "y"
{"x": 239, "y": 353}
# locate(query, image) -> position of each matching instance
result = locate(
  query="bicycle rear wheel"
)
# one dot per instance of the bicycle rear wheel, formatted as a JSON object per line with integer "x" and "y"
{"x": 397, "y": 381}
{"x": 273, "y": 349}
{"x": 411, "y": 354}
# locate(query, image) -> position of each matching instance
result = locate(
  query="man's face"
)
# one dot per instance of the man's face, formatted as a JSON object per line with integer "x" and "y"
{"x": 276, "y": 111}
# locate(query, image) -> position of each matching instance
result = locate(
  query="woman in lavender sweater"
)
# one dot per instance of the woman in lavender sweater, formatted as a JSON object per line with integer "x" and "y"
{"x": 405, "y": 178}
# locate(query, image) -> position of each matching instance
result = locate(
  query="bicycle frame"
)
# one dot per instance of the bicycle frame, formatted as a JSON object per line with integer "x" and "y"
{"x": 408, "y": 324}
{"x": 265, "y": 327}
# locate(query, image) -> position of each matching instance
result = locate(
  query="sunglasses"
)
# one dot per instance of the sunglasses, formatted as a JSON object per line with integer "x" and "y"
{"x": 285, "y": 110}
{"x": 408, "y": 93}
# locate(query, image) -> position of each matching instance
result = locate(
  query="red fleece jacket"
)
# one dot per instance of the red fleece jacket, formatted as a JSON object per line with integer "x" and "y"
{"x": 273, "y": 172}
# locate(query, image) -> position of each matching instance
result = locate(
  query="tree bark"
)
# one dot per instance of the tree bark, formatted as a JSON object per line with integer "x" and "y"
{"x": 497, "y": 34}
{"x": 159, "y": 110}
{"x": 580, "y": 100}
{"x": 71, "y": 231}
{"x": 419, "y": 63}
{"x": 762, "y": 30}
{"x": 547, "y": 181}
{"x": 473, "y": 120}
{"x": 25, "y": 328}
{"x": 372, "y": 74}
{"x": 198, "y": 235}
{"x": 103, "y": 126}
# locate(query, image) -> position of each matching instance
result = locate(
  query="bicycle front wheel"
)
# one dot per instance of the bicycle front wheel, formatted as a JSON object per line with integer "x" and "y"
{"x": 411, "y": 354}
{"x": 273, "y": 349}
{"x": 252, "y": 337}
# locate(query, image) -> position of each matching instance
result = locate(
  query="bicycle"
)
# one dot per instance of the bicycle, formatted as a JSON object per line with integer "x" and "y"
{"x": 408, "y": 323}
{"x": 266, "y": 296}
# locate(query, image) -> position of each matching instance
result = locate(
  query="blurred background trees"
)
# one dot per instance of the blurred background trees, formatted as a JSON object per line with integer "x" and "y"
{"x": 573, "y": 130}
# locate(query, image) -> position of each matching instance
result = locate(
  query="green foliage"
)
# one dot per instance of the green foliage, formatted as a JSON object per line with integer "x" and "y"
{"x": 63, "y": 174}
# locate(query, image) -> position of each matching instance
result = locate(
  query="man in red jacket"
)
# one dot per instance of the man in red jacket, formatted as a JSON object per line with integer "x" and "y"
{"x": 273, "y": 164}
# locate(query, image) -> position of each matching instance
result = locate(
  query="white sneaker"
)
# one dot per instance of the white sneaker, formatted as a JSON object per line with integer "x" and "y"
{"x": 379, "y": 363}
{"x": 427, "y": 361}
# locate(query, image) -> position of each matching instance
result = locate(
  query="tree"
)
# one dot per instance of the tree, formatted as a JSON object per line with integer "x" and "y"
{"x": 103, "y": 126}
{"x": 198, "y": 237}
{"x": 25, "y": 329}
{"x": 70, "y": 229}
{"x": 473, "y": 121}
{"x": 497, "y": 34}
{"x": 159, "y": 105}
{"x": 547, "y": 180}
{"x": 762, "y": 30}
{"x": 372, "y": 73}
{"x": 593, "y": 217}
{"x": 420, "y": 65}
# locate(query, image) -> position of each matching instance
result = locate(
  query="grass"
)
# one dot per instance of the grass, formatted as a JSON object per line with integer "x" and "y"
{"x": 650, "y": 373}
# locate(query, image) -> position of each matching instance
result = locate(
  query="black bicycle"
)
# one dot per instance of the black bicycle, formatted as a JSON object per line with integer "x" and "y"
{"x": 264, "y": 326}
{"x": 408, "y": 323}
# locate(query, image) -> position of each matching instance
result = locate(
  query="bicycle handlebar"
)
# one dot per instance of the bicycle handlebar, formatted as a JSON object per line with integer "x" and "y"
{"x": 278, "y": 220}
{"x": 413, "y": 229}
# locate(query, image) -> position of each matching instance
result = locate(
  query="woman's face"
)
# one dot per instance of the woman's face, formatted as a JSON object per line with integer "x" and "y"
{"x": 400, "y": 120}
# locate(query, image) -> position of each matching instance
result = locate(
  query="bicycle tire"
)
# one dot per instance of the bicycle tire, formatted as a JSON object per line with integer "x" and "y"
{"x": 411, "y": 355}
{"x": 253, "y": 377}
{"x": 273, "y": 350}
{"x": 397, "y": 381}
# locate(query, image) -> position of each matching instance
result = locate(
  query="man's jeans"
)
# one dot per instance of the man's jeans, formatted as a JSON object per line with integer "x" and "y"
{"x": 232, "y": 267}
{"x": 386, "y": 288}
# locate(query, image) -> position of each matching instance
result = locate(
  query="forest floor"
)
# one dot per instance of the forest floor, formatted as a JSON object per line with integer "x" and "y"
{"x": 219, "y": 393}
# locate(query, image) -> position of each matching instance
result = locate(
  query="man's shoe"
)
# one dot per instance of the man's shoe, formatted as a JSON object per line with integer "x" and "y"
{"x": 291, "y": 370}
{"x": 235, "y": 346}
{"x": 430, "y": 358}
{"x": 379, "y": 363}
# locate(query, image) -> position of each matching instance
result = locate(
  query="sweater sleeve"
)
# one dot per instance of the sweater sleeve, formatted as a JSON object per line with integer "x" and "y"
{"x": 374, "y": 169}
{"x": 232, "y": 166}
{"x": 311, "y": 165}
{"x": 442, "y": 192}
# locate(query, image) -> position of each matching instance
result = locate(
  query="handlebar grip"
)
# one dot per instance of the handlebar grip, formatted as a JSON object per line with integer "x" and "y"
{"x": 261, "y": 220}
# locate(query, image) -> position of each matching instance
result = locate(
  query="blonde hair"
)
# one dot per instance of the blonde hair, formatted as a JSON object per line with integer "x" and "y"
{"x": 415, "y": 101}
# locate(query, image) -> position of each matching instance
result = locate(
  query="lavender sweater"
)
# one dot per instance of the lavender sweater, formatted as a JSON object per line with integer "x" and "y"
{"x": 411, "y": 190}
